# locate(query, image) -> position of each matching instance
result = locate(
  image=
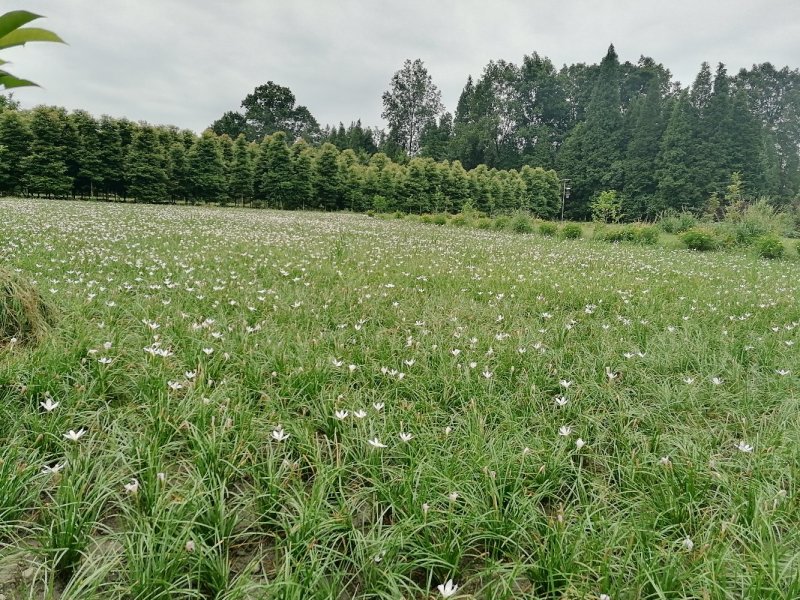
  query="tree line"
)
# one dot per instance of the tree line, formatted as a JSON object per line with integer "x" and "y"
{"x": 611, "y": 126}
{"x": 50, "y": 152}
{"x": 617, "y": 126}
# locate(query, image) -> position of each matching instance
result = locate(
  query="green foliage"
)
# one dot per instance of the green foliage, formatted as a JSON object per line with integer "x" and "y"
{"x": 700, "y": 239}
{"x": 770, "y": 246}
{"x": 637, "y": 233}
{"x": 206, "y": 169}
{"x": 145, "y": 167}
{"x": 14, "y": 33}
{"x": 571, "y": 231}
{"x": 673, "y": 221}
{"x": 521, "y": 223}
{"x": 607, "y": 207}
{"x": 548, "y": 229}
{"x": 25, "y": 315}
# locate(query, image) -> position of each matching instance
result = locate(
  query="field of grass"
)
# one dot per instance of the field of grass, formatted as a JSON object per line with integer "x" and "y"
{"x": 309, "y": 406}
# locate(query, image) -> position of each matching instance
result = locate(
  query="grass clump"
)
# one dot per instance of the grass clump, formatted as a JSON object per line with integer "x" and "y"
{"x": 548, "y": 229}
{"x": 24, "y": 314}
{"x": 700, "y": 239}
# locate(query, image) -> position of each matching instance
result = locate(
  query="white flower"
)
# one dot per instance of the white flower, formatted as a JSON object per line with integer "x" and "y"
{"x": 564, "y": 430}
{"x": 337, "y": 363}
{"x": 665, "y": 461}
{"x": 406, "y": 437}
{"x": 783, "y": 372}
{"x": 341, "y": 414}
{"x": 54, "y": 469}
{"x": 378, "y": 405}
{"x": 107, "y": 345}
{"x": 447, "y": 589}
{"x": 487, "y": 374}
{"x": 688, "y": 544}
{"x": 561, "y": 400}
{"x": 448, "y": 430}
{"x": 425, "y": 508}
{"x": 360, "y": 414}
{"x": 48, "y": 405}
{"x": 716, "y": 381}
{"x": 565, "y": 383}
{"x": 190, "y": 374}
{"x": 379, "y": 557}
{"x": 579, "y": 443}
{"x": 162, "y": 477}
{"x": 376, "y": 443}
{"x": 189, "y": 546}
{"x": 352, "y": 368}
{"x": 74, "y": 435}
{"x": 133, "y": 486}
{"x": 610, "y": 374}
{"x": 279, "y": 435}
{"x": 104, "y": 360}
{"x": 208, "y": 351}
{"x": 453, "y": 496}
{"x": 688, "y": 380}
{"x": 604, "y": 597}
{"x": 744, "y": 447}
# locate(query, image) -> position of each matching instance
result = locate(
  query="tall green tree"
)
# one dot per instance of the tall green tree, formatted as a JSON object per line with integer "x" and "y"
{"x": 327, "y": 183}
{"x": 275, "y": 175}
{"x": 90, "y": 173}
{"x": 302, "y": 193}
{"x": 145, "y": 167}
{"x": 642, "y": 150}
{"x": 178, "y": 173}
{"x": 410, "y": 104}
{"x": 15, "y": 137}
{"x": 45, "y": 167}
{"x": 675, "y": 186}
{"x": 206, "y": 170}
{"x": 240, "y": 184}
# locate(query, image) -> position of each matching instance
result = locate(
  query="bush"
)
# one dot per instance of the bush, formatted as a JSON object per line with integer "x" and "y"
{"x": 440, "y": 219}
{"x": 484, "y": 223}
{"x": 24, "y": 315}
{"x": 700, "y": 239}
{"x": 459, "y": 220}
{"x": 380, "y": 204}
{"x": 571, "y": 231}
{"x": 547, "y": 228}
{"x": 521, "y": 224}
{"x": 770, "y": 246}
{"x": 672, "y": 221}
{"x": 501, "y": 222}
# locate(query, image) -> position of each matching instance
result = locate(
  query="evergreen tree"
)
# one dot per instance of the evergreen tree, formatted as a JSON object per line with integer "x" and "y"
{"x": 110, "y": 157}
{"x": 89, "y": 176}
{"x": 206, "y": 169}
{"x": 15, "y": 138}
{"x": 145, "y": 171}
{"x": 45, "y": 167}
{"x": 275, "y": 174}
{"x": 240, "y": 184}
{"x": 302, "y": 193}
{"x": 351, "y": 181}
{"x": 542, "y": 192}
{"x": 178, "y": 173}
{"x": 595, "y": 159}
{"x": 327, "y": 186}
{"x": 676, "y": 188}
{"x": 640, "y": 160}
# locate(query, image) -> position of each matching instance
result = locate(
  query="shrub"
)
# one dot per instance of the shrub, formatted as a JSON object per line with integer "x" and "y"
{"x": 501, "y": 222}
{"x": 483, "y": 223}
{"x": 425, "y": 219}
{"x": 459, "y": 220}
{"x": 399, "y": 215}
{"x": 521, "y": 224}
{"x": 24, "y": 315}
{"x": 672, "y": 221}
{"x": 571, "y": 231}
{"x": 607, "y": 207}
{"x": 440, "y": 219}
{"x": 699, "y": 239}
{"x": 380, "y": 204}
{"x": 547, "y": 228}
{"x": 770, "y": 246}
{"x": 370, "y": 213}
{"x": 645, "y": 234}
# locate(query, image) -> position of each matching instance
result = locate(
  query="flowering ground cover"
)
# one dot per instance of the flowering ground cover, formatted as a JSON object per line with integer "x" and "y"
{"x": 257, "y": 404}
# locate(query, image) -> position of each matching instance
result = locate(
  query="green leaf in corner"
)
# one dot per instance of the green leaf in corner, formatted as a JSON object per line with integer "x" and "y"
{"x": 22, "y": 36}
{"x": 15, "y": 19}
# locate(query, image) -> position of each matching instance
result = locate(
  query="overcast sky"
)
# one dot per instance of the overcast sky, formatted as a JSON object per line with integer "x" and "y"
{"x": 185, "y": 62}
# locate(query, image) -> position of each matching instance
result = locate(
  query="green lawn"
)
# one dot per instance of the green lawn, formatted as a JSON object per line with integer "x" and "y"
{"x": 578, "y": 418}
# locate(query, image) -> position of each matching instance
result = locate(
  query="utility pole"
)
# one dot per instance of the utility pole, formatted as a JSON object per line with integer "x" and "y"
{"x": 565, "y": 189}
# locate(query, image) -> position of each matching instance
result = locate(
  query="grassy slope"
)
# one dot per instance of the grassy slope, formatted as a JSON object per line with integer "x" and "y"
{"x": 483, "y": 326}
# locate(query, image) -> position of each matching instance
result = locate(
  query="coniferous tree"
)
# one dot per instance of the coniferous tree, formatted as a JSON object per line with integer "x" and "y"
{"x": 206, "y": 169}
{"x": 45, "y": 167}
{"x": 275, "y": 175}
{"x": 178, "y": 173}
{"x": 676, "y": 187}
{"x": 145, "y": 171}
{"x": 110, "y": 157}
{"x": 640, "y": 160}
{"x": 327, "y": 185}
{"x": 89, "y": 176}
{"x": 240, "y": 184}
{"x": 15, "y": 138}
{"x": 302, "y": 193}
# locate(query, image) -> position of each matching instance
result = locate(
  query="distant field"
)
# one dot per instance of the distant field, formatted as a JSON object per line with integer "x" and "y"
{"x": 313, "y": 406}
